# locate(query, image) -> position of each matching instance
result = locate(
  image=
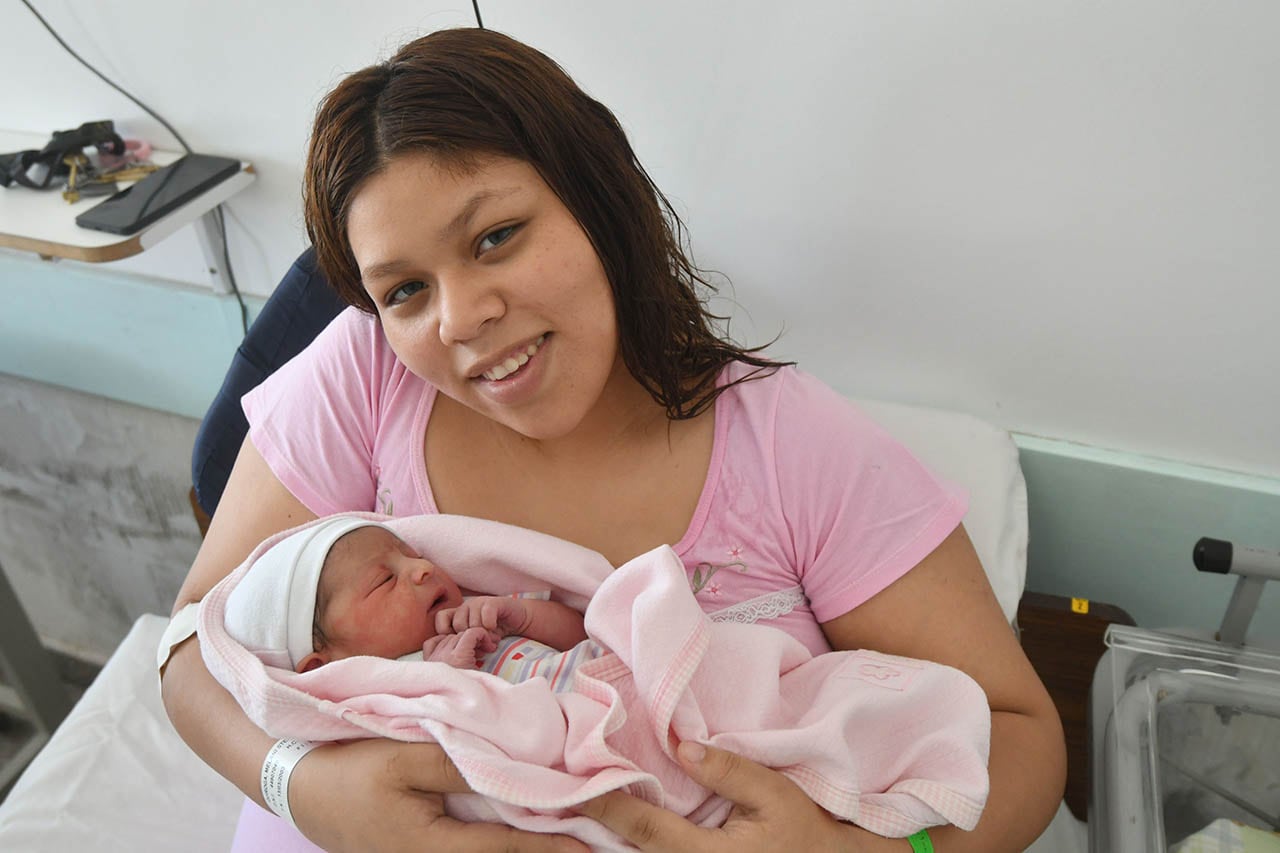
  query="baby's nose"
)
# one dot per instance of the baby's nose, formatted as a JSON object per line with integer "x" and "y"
{"x": 420, "y": 570}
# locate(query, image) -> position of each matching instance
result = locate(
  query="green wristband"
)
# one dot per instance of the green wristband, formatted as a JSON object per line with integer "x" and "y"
{"x": 920, "y": 842}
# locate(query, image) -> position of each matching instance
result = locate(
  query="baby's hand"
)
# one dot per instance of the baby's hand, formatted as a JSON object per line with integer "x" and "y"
{"x": 463, "y": 651}
{"x": 499, "y": 615}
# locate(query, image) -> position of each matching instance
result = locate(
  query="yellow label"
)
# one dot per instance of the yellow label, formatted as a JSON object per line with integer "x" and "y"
{"x": 1079, "y": 605}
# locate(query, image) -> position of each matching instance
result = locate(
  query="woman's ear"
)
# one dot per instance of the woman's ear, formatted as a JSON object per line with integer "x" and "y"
{"x": 312, "y": 661}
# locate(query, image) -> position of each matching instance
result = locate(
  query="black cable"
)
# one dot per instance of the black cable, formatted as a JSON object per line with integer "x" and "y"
{"x": 81, "y": 60}
{"x": 222, "y": 225}
{"x": 475, "y": 4}
{"x": 231, "y": 276}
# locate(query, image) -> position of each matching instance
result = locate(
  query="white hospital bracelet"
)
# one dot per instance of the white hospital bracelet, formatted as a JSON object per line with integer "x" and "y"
{"x": 180, "y": 627}
{"x": 276, "y": 770}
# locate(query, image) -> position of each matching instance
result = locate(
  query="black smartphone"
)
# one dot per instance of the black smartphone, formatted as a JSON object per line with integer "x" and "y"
{"x": 136, "y": 207}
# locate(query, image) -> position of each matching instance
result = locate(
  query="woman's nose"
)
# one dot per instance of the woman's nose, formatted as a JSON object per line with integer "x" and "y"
{"x": 465, "y": 306}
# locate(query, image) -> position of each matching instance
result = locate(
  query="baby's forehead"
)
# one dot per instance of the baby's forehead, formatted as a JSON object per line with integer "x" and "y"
{"x": 357, "y": 548}
{"x": 350, "y": 548}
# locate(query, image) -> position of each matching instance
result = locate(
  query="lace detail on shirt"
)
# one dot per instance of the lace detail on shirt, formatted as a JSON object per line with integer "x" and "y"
{"x": 762, "y": 607}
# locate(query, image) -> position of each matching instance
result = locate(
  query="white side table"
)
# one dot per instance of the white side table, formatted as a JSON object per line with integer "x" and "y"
{"x": 42, "y": 221}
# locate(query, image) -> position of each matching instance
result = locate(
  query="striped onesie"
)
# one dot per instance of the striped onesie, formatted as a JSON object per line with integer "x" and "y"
{"x": 518, "y": 659}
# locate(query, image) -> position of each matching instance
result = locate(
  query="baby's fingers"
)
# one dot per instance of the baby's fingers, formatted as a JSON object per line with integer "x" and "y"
{"x": 467, "y": 615}
{"x": 472, "y": 640}
{"x": 444, "y": 620}
{"x": 437, "y": 648}
{"x": 491, "y": 613}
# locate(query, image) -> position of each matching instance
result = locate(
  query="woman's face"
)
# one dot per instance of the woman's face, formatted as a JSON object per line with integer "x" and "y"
{"x": 488, "y": 288}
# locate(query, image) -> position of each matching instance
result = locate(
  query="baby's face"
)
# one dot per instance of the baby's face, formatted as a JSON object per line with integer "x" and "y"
{"x": 380, "y": 598}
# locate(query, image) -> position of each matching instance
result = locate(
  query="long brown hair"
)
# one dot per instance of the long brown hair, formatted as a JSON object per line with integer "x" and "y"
{"x": 467, "y": 92}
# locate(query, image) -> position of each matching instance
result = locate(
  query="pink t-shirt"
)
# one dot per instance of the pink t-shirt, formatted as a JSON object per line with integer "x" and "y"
{"x": 808, "y": 508}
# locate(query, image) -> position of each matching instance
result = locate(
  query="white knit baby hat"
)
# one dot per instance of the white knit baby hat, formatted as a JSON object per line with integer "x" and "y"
{"x": 271, "y": 610}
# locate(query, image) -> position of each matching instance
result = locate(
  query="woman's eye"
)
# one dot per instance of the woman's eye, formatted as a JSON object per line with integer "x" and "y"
{"x": 404, "y": 291}
{"x": 494, "y": 239}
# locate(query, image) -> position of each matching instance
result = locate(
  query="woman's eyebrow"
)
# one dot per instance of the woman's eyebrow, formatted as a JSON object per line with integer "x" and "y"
{"x": 456, "y": 225}
{"x": 473, "y": 205}
{"x": 382, "y": 269}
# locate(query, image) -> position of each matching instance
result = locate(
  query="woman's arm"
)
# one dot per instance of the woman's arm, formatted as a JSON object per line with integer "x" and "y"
{"x": 372, "y": 795}
{"x": 254, "y": 506}
{"x": 942, "y": 610}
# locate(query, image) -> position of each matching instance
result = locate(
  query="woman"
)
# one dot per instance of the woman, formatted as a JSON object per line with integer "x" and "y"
{"x": 530, "y": 347}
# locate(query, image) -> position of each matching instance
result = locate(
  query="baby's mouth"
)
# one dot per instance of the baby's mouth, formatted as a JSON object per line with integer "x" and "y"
{"x": 439, "y": 600}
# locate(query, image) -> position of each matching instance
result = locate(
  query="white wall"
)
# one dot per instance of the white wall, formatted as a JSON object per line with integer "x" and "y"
{"x": 1059, "y": 216}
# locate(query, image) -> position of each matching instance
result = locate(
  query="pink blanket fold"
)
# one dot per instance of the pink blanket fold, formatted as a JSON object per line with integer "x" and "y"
{"x": 890, "y": 743}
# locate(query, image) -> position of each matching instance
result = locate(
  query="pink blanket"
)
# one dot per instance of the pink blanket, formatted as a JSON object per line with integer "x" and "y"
{"x": 892, "y": 744}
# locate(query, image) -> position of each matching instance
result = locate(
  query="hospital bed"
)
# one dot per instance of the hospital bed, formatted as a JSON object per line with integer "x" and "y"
{"x": 116, "y": 777}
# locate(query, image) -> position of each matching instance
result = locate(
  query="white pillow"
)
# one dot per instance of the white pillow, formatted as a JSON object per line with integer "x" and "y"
{"x": 983, "y": 459}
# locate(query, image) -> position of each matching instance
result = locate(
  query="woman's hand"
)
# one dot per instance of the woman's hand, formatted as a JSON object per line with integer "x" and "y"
{"x": 381, "y": 796}
{"x": 770, "y": 813}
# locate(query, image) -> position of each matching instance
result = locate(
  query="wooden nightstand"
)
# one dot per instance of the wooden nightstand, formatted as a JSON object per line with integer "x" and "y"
{"x": 1063, "y": 639}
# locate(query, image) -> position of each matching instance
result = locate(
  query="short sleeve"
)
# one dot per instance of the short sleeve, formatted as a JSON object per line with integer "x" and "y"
{"x": 861, "y": 509}
{"x": 315, "y": 419}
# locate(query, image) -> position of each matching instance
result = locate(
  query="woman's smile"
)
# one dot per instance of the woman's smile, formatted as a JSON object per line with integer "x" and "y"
{"x": 517, "y": 359}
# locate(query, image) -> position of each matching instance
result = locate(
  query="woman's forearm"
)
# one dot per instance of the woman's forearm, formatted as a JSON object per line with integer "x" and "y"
{"x": 211, "y": 722}
{"x": 916, "y": 617}
{"x": 254, "y": 505}
{"x": 1028, "y": 769}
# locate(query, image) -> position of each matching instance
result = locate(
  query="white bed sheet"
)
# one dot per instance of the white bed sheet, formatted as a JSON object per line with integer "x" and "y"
{"x": 116, "y": 777}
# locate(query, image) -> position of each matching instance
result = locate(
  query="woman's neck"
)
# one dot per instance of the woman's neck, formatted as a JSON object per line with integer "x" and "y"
{"x": 625, "y": 415}
{"x": 623, "y": 481}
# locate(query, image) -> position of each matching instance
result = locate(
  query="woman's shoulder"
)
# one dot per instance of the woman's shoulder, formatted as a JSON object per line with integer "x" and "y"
{"x": 786, "y": 394}
{"x": 352, "y": 327}
{"x": 353, "y": 348}
{"x": 802, "y": 424}
{"x": 349, "y": 367}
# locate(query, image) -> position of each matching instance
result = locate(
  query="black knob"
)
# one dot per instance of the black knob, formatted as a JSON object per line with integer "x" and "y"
{"x": 1212, "y": 555}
